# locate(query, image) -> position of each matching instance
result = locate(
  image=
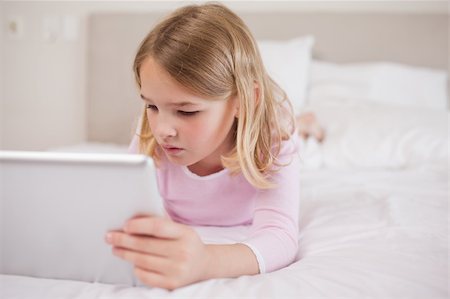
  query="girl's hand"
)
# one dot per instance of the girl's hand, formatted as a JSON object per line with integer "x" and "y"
{"x": 164, "y": 253}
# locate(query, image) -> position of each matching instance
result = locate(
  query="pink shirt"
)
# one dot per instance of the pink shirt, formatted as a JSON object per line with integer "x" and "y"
{"x": 220, "y": 199}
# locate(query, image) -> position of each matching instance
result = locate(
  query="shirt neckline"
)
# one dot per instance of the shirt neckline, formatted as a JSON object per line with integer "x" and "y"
{"x": 203, "y": 178}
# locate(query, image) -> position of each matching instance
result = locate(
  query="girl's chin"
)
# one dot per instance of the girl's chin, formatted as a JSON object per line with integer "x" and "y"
{"x": 179, "y": 160}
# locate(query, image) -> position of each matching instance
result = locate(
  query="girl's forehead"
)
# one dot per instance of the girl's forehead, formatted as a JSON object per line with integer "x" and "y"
{"x": 151, "y": 71}
{"x": 157, "y": 85}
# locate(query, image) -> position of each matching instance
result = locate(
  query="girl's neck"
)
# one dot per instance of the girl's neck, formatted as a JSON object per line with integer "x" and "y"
{"x": 204, "y": 171}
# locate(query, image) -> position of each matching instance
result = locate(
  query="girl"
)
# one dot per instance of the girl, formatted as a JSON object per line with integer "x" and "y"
{"x": 223, "y": 141}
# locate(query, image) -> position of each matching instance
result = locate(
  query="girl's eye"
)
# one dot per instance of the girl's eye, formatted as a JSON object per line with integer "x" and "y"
{"x": 183, "y": 113}
{"x": 187, "y": 113}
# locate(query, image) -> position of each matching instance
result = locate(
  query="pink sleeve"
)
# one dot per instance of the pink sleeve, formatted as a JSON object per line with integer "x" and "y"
{"x": 274, "y": 237}
{"x": 133, "y": 148}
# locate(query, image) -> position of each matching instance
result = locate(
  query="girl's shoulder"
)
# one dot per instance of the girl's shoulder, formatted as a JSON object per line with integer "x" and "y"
{"x": 288, "y": 156}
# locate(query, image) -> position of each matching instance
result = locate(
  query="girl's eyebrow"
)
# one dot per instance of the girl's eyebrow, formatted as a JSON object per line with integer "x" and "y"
{"x": 144, "y": 98}
{"x": 179, "y": 104}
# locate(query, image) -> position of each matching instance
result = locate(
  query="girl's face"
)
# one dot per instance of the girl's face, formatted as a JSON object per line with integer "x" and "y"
{"x": 191, "y": 130}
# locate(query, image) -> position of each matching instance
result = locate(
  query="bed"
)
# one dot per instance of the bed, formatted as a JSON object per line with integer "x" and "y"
{"x": 374, "y": 195}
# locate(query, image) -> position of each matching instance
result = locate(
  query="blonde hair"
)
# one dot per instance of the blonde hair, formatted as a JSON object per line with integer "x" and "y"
{"x": 209, "y": 50}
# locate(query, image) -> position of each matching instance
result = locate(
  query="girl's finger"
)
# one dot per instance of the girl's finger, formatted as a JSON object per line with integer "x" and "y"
{"x": 144, "y": 261}
{"x": 155, "y": 226}
{"x": 154, "y": 279}
{"x": 143, "y": 244}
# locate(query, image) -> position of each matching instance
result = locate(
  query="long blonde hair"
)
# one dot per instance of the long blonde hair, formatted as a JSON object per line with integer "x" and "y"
{"x": 209, "y": 50}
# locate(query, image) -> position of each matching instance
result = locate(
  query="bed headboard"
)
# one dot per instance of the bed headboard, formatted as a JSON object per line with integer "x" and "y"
{"x": 113, "y": 38}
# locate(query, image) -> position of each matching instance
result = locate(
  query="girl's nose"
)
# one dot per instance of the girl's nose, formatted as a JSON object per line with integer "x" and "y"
{"x": 164, "y": 129}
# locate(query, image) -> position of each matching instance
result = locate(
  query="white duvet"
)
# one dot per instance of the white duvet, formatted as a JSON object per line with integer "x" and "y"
{"x": 380, "y": 234}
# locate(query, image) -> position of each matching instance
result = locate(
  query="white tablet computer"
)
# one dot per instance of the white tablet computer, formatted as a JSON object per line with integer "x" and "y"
{"x": 57, "y": 207}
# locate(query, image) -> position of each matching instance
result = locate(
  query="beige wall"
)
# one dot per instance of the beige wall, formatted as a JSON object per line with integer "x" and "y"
{"x": 43, "y": 82}
{"x": 2, "y": 117}
{"x": 44, "y": 95}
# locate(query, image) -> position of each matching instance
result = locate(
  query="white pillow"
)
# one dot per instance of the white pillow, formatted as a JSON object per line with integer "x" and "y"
{"x": 382, "y": 82}
{"x": 288, "y": 63}
{"x": 372, "y": 135}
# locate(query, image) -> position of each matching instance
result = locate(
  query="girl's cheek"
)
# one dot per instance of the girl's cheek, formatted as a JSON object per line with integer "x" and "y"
{"x": 149, "y": 118}
{"x": 194, "y": 127}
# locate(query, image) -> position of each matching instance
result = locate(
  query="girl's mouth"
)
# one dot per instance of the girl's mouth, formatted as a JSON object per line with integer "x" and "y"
{"x": 172, "y": 150}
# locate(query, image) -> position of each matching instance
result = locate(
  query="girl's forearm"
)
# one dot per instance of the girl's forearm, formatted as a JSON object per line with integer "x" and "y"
{"x": 230, "y": 261}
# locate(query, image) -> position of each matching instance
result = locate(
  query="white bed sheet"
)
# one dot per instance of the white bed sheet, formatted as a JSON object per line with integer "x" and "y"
{"x": 377, "y": 234}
